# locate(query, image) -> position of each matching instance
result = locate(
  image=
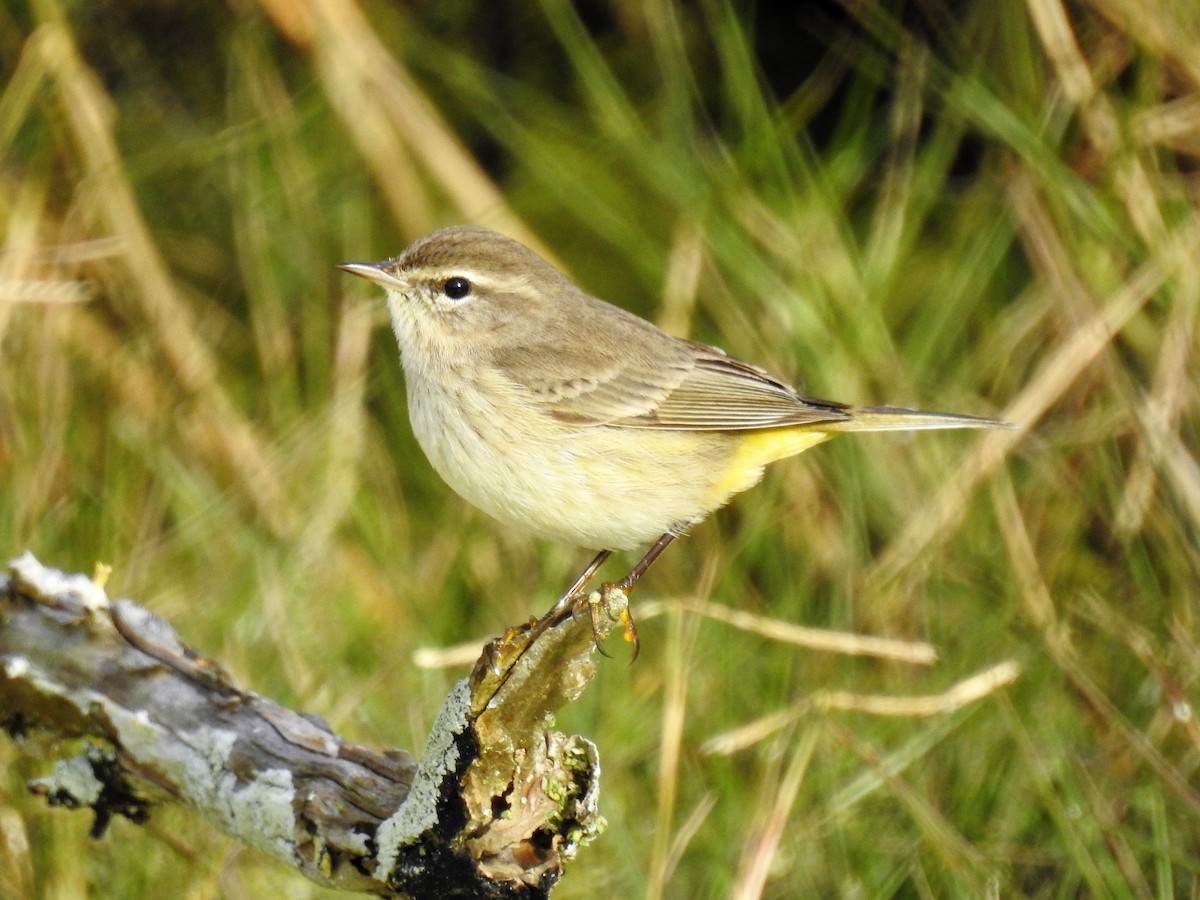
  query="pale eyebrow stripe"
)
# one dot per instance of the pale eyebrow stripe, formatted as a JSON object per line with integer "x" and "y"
{"x": 475, "y": 276}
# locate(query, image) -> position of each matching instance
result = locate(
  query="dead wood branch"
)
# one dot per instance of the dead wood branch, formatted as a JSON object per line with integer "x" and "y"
{"x": 494, "y": 806}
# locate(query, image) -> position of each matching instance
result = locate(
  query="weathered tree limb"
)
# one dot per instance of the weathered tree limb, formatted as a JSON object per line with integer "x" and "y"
{"x": 492, "y": 809}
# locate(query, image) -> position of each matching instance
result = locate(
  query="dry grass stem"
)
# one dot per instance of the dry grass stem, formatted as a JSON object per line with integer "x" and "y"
{"x": 969, "y": 690}
{"x": 915, "y": 652}
{"x": 1039, "y": 604}
{"x": 761, "y": 846}
{"x": 934, "y": 522}
{"x": 681, "y": 631}
{"x": 456, "y": 657}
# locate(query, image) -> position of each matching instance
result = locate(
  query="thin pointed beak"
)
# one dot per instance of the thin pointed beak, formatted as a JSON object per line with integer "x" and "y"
{"x": 376, "y": 272}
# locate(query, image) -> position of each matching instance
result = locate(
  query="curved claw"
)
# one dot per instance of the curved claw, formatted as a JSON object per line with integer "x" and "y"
{"x": 597, "y": 637}
{"x": 631, "y": 633}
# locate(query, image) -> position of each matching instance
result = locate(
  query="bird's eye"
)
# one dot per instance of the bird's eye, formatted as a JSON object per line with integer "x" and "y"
{"x": 456, "y": 288}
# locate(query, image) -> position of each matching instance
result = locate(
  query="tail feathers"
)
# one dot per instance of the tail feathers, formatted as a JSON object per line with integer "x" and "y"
{"x": 891, "y": 418}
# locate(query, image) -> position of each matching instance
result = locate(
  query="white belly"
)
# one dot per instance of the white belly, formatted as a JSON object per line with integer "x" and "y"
{"x": 587, "y": 486}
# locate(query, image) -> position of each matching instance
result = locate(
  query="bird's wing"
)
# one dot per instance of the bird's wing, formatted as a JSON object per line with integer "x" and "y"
{"x": 590, "y": 382}
{"x": 673, "y": 384}
{"x": 722, "y": 393}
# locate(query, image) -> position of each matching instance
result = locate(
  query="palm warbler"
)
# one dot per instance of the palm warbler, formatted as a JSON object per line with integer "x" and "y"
{"x": 578, "y": 421}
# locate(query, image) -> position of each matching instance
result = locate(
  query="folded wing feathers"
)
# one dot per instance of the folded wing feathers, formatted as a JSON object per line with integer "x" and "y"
{"x": 700, "y": 388}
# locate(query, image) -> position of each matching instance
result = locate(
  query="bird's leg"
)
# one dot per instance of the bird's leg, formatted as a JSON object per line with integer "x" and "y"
{"x": 566, "y": 605}
{"x": 626, "y": 584}
{"x": 581, "y": 582}
{"x": 575, "y": 592}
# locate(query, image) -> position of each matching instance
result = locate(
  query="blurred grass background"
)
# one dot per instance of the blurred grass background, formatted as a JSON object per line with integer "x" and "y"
{"x": 984, "y": 207}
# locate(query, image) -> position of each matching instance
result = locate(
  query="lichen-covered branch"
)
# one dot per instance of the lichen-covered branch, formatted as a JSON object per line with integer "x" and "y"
{"x": 493, "y": 807}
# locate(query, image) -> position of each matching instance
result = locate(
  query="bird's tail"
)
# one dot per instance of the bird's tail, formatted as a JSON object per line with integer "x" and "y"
{"x": 891, "y": 418}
